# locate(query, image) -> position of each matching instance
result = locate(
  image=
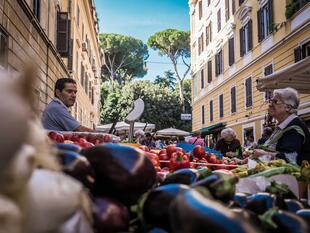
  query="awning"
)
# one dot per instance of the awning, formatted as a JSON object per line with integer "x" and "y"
{"x": 212, "y": 128}
{"x": 296, "y": 76}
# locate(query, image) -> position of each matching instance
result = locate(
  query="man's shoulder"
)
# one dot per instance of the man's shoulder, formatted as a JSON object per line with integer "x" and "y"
{"x": 55, "y": 106}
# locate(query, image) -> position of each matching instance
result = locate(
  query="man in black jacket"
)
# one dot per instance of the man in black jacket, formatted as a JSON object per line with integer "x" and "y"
{"x": 291, "y": 138}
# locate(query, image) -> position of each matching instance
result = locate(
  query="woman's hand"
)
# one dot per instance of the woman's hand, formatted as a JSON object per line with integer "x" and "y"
{"x": 259, "y": 152}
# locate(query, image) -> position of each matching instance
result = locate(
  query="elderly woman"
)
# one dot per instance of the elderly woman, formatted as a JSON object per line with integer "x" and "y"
{"x": 290, "y": 139}
{"x": 228, "y": 145}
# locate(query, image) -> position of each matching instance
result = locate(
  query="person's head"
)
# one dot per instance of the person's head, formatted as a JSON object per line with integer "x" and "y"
{"x": 251, "y": 138}
{"x": 65, "y": 90}
{"x": 284, "y": 103}
{"x": 148, "y": 136}
{"x": 228, "y": 135}
{"x": 139, "y": 133}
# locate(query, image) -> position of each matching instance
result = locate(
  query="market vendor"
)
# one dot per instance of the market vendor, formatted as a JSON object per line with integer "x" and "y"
{"x": 291, "y": 138}
{"x": 229, "y": 145}
{"x": 56, "y": 116}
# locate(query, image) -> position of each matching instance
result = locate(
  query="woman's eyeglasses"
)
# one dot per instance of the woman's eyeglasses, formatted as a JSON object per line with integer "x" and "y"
{"x": 275, "y": 101}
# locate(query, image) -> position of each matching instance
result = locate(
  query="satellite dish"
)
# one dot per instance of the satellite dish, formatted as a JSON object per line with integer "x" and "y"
{"x": 137, "y": 111}
{"x": 134, "y": 115}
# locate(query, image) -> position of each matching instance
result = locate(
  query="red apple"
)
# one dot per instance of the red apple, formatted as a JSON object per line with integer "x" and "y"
{"x": 199, "y": 152}
{"x": 68, "y": 136}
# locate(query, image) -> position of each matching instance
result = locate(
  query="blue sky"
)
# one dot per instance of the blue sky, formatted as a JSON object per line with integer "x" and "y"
{"x": 141, "y": 19}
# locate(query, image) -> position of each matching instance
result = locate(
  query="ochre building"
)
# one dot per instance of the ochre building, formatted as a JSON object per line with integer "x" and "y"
{"x": 235, "y": 43}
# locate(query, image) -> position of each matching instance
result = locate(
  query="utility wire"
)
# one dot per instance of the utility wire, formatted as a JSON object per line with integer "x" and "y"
{"x": 157, "y": 62}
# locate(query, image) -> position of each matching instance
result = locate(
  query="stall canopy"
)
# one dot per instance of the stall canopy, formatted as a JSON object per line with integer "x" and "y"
{"x": 172, "y": 132}
{"x": 123, "y": 126}
{"x": 296, "y": 76}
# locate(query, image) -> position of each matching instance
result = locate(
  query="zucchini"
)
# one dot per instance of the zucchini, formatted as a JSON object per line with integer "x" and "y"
{"x": 271, "y": 172}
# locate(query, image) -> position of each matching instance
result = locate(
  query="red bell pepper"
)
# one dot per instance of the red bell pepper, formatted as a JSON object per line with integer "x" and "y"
{"x": 179, "y": 160}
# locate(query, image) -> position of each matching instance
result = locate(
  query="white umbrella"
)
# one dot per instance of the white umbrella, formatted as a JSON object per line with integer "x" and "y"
{"x": 124, "y": 126}
{"x": 172, "y": 132}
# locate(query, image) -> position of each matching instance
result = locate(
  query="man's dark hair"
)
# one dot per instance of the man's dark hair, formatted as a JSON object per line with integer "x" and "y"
{"x": 60, "y": 84}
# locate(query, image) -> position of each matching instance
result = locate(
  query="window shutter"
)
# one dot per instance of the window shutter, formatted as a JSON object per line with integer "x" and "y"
{"x": 211, "y": 110}
{"x": 248, "y": 86}
{"x": 221, "y": 107}
{"x": 202, "y": 43}
{"x": 221, "y": 65}
{"x": 3, "y": 48}
{"x": 216, "y": 65}
{"x": 207, "y": 36}
{"x": 297, "y": 54}
{"x": 250, "y": 42}
{"x": 270, "y": 11}
{"x": 226, "y": 10}
{"x": 233, "y": 99}
{"x": 70, "y": 56}
{"x": 241, "y": 32}
{"x": 202, "y": 114}
{"x": 259, "y": 26}
{"x": 231, "y": 50}
{"x": 62, "y": 42}
{"x": 219, "y": 20}
{"x": 210, "y": 71}
{"x": 202, "y": 79}
{"x": 210, "y": 27}
{"x": 233, "y": 7}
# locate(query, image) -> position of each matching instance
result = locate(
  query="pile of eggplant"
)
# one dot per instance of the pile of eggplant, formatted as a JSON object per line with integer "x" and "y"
{"x": 129, "y": 196}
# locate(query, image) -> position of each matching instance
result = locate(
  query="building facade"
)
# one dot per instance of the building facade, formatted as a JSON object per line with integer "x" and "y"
{"x": 45, "y": 33}
{"x": 234, "y": 43}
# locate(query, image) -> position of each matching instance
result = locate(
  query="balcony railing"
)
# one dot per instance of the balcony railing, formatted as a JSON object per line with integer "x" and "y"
{"x": 294, "y": 6}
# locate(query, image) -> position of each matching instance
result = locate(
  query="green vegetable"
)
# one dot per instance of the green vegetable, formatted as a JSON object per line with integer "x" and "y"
{"x": 271, "y": 172}
{"x": 290, "y": 168}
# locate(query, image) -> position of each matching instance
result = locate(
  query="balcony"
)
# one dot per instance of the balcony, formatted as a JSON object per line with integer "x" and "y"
{"x": 294, "y": 7}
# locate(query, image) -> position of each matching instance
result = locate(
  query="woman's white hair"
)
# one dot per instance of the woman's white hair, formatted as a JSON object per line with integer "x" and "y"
{"x": 290, "y": 97}
{"x": 228, "y": 132}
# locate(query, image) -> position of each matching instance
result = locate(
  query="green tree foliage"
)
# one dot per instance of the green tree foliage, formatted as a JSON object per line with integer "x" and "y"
{"x": 162, "y": 106}
{"x": 174, "y": 44}
{"x": 168, "y": 80}
{"x": 124, "y": 57}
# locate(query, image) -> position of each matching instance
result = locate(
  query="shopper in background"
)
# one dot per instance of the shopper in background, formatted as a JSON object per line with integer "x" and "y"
{"x": 228, "y": 145}
{"x": 148, "y": 141}
{"x": 56, "y": 115}
{"x": 139, "y": 135}
{"x": 197, "y": 140}
{"x": 266, "y": 134}
{"x": 291, "y": 138}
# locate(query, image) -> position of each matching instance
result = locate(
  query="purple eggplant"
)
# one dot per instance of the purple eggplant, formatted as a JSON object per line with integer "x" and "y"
{"x": 261, "y": 202}
{"x": 182, "y": 176}
{"x": 288, "y": 222}
{"x": 192, "y": 212}
{"x": 110, "y": 216}
{"x": 156, "y": 205}
{"x": 122, "y": 172}
{"x": 293, "y": 205}
{"x": 305, "y": 214}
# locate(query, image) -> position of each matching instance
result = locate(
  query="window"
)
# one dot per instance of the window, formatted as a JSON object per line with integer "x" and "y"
{"x": 82, "y": 75}
{"x": 240, "y": 2}
{"x": 233, "y": 7}
{"x": 246, "y": 38}
{"x": 78, "y": 15}
{"x": 302, "y": 51}
{"x": 233, "y": 107}
{"x": 3, "y": 48}
{"x": 219, "y": 20}
{"x": 219, "y": 63}
{"x": 267, "y": 71}
{"x": 86, "y": 84}
{"x": 208, "y": 34}
{"x": 226, "y": 10}
{"x": 264, "y": 21}
{"x": 195, "y": 85}
{"x": 221, "y": 105}
{"x": 210, "y": 71}
{"x": 89, "y": 89}
{"x": 77, "y": 62}
{"x": 209, "y": 1}
{"x": 37, "y": 8}
{"x": 248, "y": 92}
{"x": 92, "y": 95}
{"x": 202, "y": 81}
{"x": 231, "y": 51}
{"x": 203, "y": 114}
{"x": 200, "y": 44}
{"x": 211, "y": 110}
{"x": 63, "y": 34}
{"x": 200, "y": 9}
